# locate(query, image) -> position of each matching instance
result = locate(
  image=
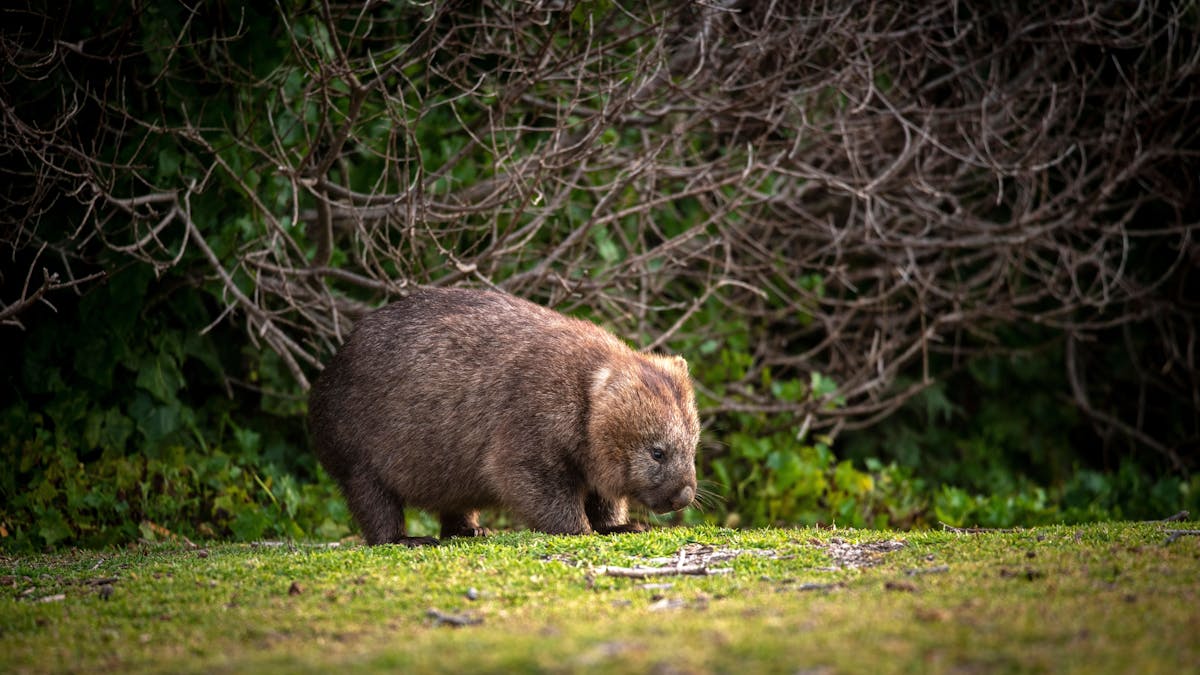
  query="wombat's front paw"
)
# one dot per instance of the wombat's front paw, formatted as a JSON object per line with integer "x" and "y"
{"x": 621, "y": 529}
{"x": 413, "y": 542}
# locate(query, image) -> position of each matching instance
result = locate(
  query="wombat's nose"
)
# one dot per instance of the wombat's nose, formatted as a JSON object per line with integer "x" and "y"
{"x": 683, "y": 497}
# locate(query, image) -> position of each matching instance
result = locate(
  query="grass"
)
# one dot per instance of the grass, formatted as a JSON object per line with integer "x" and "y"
{"x": 1110, "y": 597}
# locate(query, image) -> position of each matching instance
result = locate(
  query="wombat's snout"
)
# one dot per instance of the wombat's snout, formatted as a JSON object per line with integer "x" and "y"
{"x": 666, "y": 503}
{"x": 683, "y": 497}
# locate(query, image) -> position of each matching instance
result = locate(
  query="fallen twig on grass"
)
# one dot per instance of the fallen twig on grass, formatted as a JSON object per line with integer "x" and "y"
{"x": 1172, "y": 535}
{"x": 643, "y": 572}
{"x": 444, "y": 619}
{"x": 693, "y": 559}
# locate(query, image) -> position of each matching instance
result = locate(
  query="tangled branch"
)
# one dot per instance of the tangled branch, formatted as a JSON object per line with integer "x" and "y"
{"x": 877, "y": 190}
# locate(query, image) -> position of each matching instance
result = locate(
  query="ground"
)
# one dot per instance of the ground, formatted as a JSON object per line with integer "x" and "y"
{"x": 1115, "y": 597}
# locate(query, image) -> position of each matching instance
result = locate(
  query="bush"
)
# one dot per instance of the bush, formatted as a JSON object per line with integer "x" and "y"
{"x": 124, "y": 422}
{"x": 834, "y": 221}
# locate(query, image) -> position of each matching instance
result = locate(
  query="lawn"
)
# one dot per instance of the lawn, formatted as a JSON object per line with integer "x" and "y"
{"x": 1112, "y": 597}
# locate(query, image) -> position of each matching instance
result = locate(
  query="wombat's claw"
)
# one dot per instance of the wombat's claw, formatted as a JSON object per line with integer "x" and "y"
{"x": 624, "y": 528}
{"x": 468, "y": 532}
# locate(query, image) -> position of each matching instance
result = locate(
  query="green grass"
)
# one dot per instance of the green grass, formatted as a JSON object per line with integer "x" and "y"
{"x": 1097, "y": 598}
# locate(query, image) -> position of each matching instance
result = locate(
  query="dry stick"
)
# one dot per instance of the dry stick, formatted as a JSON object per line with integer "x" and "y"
{"x": 1172, "y": 535}
{"x": 643, "y": 572}
{"x": 269, "y": 329}
{"x": 50, "y": 282}
{"x": 444, "y": 618}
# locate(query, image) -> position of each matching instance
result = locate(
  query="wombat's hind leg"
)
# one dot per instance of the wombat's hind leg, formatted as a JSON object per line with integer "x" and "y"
{"x": 380, "y": 513}
{"x": 608, "y": 516}
{"x": 462, "y": 525}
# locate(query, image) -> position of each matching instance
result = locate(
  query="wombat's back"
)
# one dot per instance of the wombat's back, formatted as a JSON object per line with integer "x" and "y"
{"x": 423, "y": 387}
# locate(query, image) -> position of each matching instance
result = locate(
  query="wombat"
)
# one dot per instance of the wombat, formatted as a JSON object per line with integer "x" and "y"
{"x": 453, "y": 400}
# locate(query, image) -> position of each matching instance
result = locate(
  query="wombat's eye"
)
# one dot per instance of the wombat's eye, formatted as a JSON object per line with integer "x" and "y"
{"x": 657, "y": 453}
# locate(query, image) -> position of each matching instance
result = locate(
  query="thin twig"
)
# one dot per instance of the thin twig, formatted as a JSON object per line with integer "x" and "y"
{"x": 674, "y": 570}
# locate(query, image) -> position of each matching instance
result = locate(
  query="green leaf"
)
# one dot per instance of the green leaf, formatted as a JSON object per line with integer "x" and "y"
{"x": 52, "y": 527}
{"x": 820, "y": 385}
{"x": 605, "y": 246}
{"x": 250, "y": 524}
{"x": 155, "y": 422}
{"x": 248, "y": 440}
{"x": 160, "y": 375}
{"x": 851, "y": 480}
{"x": 786, "y": 467}
{"x": 750, "y": 447}
{"x": 168, "y": 162}
{"x": 146, "y": 528}
{"x": 953, "y": 506}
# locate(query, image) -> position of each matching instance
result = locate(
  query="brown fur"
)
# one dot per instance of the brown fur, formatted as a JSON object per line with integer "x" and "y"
{"x": 453, "y": 400}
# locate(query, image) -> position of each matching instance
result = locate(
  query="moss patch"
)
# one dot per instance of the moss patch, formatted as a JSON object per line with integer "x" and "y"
{"x": 1096, "y": 598}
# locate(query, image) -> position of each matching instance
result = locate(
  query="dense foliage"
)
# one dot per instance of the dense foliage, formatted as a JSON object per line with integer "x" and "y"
{"x": 929, "y": 263}
{"x": 126, "y": 422}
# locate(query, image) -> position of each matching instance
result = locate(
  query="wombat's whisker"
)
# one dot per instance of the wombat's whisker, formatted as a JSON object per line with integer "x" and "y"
{"x": 707, "y": 496}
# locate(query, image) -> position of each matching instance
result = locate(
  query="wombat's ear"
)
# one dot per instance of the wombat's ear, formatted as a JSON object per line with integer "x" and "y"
{"x": 678, "y": 363}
